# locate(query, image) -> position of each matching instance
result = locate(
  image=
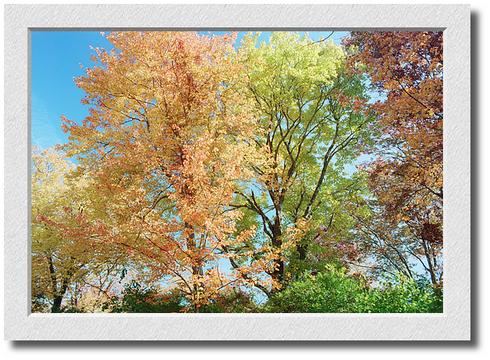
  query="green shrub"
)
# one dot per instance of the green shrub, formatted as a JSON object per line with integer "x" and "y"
{"x": 231, "y": 302}
{"x": 334, "y": 291}
{"x": 403, "y": 296}
{"x": 139, "y": 299}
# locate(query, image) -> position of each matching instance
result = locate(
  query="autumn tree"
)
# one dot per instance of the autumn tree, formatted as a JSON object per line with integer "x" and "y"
{"x": 406, "y": 68}
{"x": 167, "y": 144}
{"x": 312, "y": 123}
{"x": 61, "y": 255}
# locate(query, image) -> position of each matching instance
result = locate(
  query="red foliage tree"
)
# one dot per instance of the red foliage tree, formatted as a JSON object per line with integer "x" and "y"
{"x": 406, "y": 68}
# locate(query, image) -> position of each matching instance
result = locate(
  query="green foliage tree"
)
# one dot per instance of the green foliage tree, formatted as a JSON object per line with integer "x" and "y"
{"x": 312, "y": 123}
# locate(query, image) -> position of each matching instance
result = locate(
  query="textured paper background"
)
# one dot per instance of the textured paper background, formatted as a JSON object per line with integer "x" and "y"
{"x": 454, "y": 324}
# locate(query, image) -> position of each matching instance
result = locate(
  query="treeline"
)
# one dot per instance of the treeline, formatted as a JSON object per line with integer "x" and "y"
{"x": 285, "y": 176}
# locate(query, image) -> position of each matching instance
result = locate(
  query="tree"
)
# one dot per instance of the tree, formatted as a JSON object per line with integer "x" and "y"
{"x": 312, "y": 124}
{"x": 406, "y": 178}
{"x": 61, "y": 257}
{"x": 49, "y": 278}
{"x": 167, "y": 145}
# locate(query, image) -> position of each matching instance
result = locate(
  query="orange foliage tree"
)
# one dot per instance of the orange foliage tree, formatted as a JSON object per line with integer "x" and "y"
{"x": 166, "y": 143}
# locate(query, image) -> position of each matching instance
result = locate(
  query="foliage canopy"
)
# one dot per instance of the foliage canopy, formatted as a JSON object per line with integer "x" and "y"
{"x": 216, "y": 176}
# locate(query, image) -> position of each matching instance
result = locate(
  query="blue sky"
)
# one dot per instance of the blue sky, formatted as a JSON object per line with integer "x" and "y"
{"x": 56, "y": 57}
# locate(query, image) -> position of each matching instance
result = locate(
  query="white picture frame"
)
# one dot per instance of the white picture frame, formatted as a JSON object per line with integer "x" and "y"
{"x": 454, "y": 324}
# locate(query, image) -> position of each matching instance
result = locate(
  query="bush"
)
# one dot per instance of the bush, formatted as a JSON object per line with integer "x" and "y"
{"x": 404, "y": 296}
{"x": 333, "y": 291}
{"x": 139, "y": 299}
{"x": 232, "y": 301}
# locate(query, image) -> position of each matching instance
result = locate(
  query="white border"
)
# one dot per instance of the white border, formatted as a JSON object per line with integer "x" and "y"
{"x": 453, "y": 324}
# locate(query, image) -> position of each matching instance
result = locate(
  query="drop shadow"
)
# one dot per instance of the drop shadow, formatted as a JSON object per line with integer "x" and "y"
{"x": 475, "y": 177}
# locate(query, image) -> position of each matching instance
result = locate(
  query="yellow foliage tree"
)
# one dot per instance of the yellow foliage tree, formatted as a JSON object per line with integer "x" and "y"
{"x": 62, "y": 253}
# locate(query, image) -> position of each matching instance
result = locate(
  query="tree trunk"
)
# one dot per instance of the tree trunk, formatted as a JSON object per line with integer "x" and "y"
{"x": 279, "y": 268}
{"x": 302, "y": 249}
{"x": 56, "y": 308}
{"x": 197, "y": 269}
